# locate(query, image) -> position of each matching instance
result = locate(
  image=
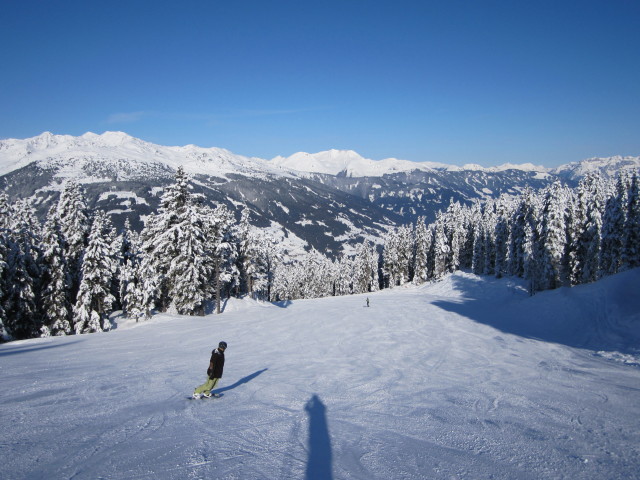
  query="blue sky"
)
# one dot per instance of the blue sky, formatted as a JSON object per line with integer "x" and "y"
{"x": 453, "y": 81}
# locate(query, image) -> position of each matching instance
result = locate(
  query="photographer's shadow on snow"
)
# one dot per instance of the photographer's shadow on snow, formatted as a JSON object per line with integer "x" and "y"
{"x": 319, "y": 464}
{"x": 242, "y": 381}
{"x": 578, "y": 317}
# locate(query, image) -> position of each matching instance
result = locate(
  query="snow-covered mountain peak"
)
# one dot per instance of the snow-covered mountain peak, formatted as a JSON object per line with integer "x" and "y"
{"x": 109, "y": 138}
{"x": 114, "y": 148}
{"x": 352, "y": 164}
{"x": 526, "y": 167}
{"x": 472, "y": 167}
{"x": 608, "y": 166}
{"x": 111, "y": 151}
{"x": 45, "y": 140}
{"x": 346, "y": 162}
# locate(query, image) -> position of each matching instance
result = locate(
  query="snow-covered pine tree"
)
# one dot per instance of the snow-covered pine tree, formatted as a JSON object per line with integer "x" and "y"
{"x": 553, "y": 236}
{"x": 244, "y": 250}
{"x": 74, "y": 225}
{"x": 178, "y": 247}
{"x": 391, "y": 258}
{"x": 27, "y": 231}
{"x": 489, "y": 226}
{"x": 265, "y": 256}
{"x": 524, "y": 216}
{"x": 293, "y": 280}
{"x": 4, "y": 248}
{"x": 128, "y": 260}
{"x": 189, "y": 271}
{"x": 4, "y": 334}
{"x": 159, "y": 242}
{"x": 584, "y": 231}
{"x": 374, "y": 267}
{"x": 137, "y": 285}
{"x": 115, "y": 241}
{"x": 303, "y": 273}
{"x": 314, "y": 276}
{"x": 531, "y": 257}
{"x": 22, "y": 273}
{"x": 468, "y": 226}
{"x": 24, "y": 222}
{"x": 219, "y": 225}
{"x": 613, "y": 229}
{"x": 299, "y": 278}
{"x": 281, "y": 289}
{"x": 406, "y": 254}
{"x": 343, "y": 273}
{"x": 5, "y": 212}
{"x": 455, "y": 232}
{"x": 365, "y": 269}
{"x": 440, "y": 247}
{"x": 322, "y": 276}
{"x": 479, "y": 249}
{"x": 19, "y": 295}
{"x": 501, "y": 236}
{"x": 631, "y": 250}
{"x": 143, "y": 291}
{"x": 421, "y": 266}
{"x": 54, "y": 307}
{"x": 590, "y": 243}
{"x": 95, "y": 301}
{"x": 575, "y": 227}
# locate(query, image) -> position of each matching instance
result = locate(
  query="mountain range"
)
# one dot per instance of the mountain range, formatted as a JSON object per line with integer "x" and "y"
{"x": 329, "y": 200}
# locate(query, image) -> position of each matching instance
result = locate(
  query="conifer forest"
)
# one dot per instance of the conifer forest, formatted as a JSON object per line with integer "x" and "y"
{"x": 69, "y": 274}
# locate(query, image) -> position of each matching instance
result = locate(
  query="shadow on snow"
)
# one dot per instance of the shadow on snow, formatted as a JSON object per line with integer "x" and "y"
{"x": 282, "y": 303}
{"x": 319, "y": 463}
{"x": 583, "y": 316}
{"x": 242, "y": 381}
{"x": 15, "y": 350}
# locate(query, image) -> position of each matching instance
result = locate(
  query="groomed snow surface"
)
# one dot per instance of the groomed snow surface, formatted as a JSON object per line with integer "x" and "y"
{"x": 467, "y": 378}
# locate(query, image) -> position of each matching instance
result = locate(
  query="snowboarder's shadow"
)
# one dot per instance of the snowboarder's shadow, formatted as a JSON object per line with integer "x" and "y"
{"x": 246, "y": 379}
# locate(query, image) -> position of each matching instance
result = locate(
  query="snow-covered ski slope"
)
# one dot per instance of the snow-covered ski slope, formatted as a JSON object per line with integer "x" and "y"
{"x": 467, "y": 378}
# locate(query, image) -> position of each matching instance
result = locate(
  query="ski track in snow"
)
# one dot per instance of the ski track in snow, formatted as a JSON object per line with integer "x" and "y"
{"x": 428, "y": 382}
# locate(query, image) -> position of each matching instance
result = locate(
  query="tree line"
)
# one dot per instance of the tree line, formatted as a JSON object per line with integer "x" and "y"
{"x": 555, "y": 237}
{"x": 68, "y": 275}
{"x": 558, "y": 236}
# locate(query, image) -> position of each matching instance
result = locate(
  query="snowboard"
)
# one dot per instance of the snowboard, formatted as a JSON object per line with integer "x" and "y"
{"x": 215, "y": 395}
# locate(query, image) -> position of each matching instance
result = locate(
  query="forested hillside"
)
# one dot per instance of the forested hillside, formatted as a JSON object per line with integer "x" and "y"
{"x": 68, "y": 275}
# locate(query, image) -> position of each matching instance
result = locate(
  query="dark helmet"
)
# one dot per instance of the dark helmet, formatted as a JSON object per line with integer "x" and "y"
{"x": 222, "y": 345}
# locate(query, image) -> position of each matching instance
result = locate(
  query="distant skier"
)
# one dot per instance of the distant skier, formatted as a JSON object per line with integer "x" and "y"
{"x": 367, "y": 301}
{"x": 214, "y": 373}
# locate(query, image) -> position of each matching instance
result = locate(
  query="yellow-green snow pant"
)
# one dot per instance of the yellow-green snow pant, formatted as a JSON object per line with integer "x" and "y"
{"x": 207, "y": 386}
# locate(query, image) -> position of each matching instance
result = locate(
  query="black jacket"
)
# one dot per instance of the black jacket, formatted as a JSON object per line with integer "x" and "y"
{"x": 216, "y": 364}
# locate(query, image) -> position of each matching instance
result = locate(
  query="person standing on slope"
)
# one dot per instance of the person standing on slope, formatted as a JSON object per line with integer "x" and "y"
{"x": 214, "y": 372}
